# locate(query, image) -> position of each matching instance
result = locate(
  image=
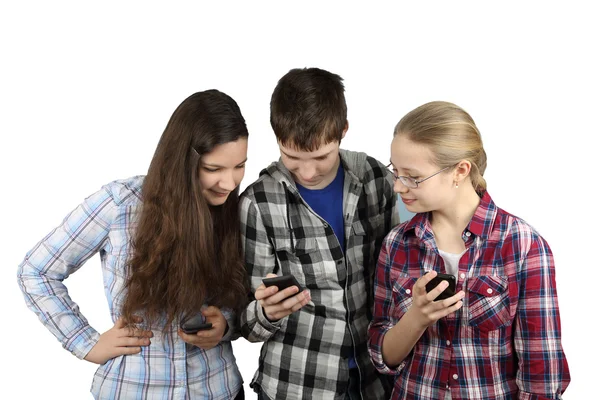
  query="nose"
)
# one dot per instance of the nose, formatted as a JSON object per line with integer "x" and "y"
{"x": 307, "y": 171}
{"x": 399, "y": 187}
{"x": 227, "y": 181}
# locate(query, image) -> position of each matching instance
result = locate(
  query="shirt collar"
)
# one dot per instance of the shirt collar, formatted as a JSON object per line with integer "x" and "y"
{"x": 481, "y": 224}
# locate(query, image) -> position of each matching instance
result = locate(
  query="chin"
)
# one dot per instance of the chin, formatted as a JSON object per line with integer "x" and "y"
{"x": 217, "y": 201}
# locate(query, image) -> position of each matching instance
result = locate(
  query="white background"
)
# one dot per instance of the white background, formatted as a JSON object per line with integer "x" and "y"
{"x": 86, "y": 91}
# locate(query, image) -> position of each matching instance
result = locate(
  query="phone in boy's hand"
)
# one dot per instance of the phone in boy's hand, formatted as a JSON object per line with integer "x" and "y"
{"x": 448, "y": 292}
{"x": 195, "y": 324}
{"x": 282, "y": 282}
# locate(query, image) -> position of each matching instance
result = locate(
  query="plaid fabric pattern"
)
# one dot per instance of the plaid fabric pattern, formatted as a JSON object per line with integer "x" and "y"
{"x": 505, "y": 341}
{"x": 167, "y": 369}
{"x": 305, "y": 355}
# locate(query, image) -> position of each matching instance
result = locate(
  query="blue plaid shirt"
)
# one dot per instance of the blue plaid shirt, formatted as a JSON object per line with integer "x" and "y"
{"x": 168, "y": 368}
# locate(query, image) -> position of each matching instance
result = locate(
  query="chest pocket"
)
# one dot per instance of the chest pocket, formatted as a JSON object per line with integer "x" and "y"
{"x": 402, "y": 292}
{"x": 304, "y": 261}
{"x": 489, "y": 302}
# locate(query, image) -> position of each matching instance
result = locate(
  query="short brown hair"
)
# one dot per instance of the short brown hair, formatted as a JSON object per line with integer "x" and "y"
{"x": 308, "y": 108}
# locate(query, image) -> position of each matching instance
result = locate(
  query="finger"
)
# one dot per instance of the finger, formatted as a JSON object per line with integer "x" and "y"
{"x": 265, "y": 292}
{"x": 301, "y": 298}
{"x": 436, "y": 291}
{"x": 137, "y": 319}
{"x": 270, "y": 276}
{"x": 281, "y": 296}
{"x": 420, "y": 284}
{"x": 449, "y": 310}
{"x": 288, "y": 306}
{"x": 133, "y": 342}
{"x": 450, "y": 301}
{"x": 133, "y": 332}
{"x": 127, "y": 350}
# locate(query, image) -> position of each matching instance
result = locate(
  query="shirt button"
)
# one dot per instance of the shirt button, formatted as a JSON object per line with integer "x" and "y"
{"x": 468, "y": 234}
{"x": 448, "y": 342}
{"x": 455, "y": 376}
{"x": 407, "y": 291}
{"x": 490, "y": 291}
{"x": 462, "y": 275}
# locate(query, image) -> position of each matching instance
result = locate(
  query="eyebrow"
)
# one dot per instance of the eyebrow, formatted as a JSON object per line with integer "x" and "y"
{"x": 410, "y": 171}
{"x": 222, "y": 166}
{"x": 319, "y": 156}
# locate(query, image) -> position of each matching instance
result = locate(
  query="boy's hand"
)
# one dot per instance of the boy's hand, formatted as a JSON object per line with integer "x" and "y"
{"x": 209, "y": 338}
{"x": 424, "y": 309}
{"x": 280, "y": 304}
{"x": 118, "y": 341}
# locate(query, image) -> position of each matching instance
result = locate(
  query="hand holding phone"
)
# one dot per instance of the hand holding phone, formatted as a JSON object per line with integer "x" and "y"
{"x": 195, "y": 324}
{"x": 448, "y": 292}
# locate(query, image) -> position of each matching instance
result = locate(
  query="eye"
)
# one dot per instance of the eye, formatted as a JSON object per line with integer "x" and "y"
{"x": 322, "y": 158}
{"x": 241, "y": 166}
{"x": 211, "y": 169}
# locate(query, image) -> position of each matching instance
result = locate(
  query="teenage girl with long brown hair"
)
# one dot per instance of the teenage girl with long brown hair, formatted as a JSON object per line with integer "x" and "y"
{"x": 170, "y": 250}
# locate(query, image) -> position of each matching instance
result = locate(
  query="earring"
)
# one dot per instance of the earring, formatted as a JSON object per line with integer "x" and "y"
{"x": 456, "y": 184}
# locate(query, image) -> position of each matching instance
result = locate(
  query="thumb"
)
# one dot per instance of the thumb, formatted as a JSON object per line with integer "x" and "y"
{"x": 271, "y": 275}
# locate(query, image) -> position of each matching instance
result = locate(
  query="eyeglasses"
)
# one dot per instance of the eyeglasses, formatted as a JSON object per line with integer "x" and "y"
{"x": 412, "y": 182}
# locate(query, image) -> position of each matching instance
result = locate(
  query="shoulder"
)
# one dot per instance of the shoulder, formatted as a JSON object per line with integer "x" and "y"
{"x": 520, "y": 235}
{"x": 123, "y": 192}
{"x": 263, "y": 189}
{"x": 367, "y": 169}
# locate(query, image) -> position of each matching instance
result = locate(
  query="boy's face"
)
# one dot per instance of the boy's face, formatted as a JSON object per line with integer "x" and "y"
{"x": 312, "y": 169}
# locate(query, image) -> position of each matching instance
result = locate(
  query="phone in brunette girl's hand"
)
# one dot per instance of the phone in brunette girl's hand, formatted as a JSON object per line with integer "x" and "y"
{"x": 195, "y": 324}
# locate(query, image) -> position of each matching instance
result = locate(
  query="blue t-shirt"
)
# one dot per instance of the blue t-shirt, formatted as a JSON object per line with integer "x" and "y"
{"x": 329, "y": 204}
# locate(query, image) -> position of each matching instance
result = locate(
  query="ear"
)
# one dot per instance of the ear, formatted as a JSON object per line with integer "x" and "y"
{"x": 345, "y": 130}
{"x": 462, "y": 170}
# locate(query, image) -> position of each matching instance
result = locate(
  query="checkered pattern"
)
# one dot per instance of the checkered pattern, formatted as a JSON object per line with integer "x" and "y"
{"x": 168, "y": 368}
{"x": 305, "y": 355}
{"x": 505, "y": 341}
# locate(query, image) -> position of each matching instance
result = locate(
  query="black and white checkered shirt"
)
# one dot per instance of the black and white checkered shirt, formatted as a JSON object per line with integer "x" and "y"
{"x": 305, "y": 355}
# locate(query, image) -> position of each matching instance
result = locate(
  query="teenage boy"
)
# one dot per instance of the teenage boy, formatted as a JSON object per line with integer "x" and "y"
{"x": 319, "y": 214}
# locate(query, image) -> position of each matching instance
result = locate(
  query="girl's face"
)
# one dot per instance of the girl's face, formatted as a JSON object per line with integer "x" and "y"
{"x": 414, "y": 161}
{"x": 222, "y": 170}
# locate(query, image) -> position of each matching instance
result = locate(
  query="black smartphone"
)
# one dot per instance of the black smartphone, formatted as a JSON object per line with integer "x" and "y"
{"x": 449, "y": 291}
{"x": 282, "y": 282}
{"x": 195, "y": 324}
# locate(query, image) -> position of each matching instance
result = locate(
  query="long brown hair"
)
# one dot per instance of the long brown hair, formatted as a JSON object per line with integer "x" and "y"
{"x": 187, "y": 253}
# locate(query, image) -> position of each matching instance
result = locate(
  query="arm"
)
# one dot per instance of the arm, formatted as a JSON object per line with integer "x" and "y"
{"x": 260, "y": 261}
{"x": 393, "y": 333}
{"x": 41, "y": 274}
{"x": 543, "y": 372}
{"x": 383, "y": 311}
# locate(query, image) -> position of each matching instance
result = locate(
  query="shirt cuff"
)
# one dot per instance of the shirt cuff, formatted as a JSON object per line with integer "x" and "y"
{"x": 375, "y": 350}
{"x": 82, "y": 342}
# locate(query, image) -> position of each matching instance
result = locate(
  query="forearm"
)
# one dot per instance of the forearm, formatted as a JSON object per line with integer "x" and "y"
{"x": 49, "y": 300}
{"x": 399, "y": 341}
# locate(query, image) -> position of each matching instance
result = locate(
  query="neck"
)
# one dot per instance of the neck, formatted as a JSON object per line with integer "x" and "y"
{"x": 457, "y": 215}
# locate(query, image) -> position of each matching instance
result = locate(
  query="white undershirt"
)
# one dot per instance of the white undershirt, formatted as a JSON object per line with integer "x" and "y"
{"x": 451, "y": 263}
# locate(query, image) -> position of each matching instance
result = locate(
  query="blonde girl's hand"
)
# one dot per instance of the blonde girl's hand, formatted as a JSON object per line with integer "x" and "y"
{"x": 424, "y": 310}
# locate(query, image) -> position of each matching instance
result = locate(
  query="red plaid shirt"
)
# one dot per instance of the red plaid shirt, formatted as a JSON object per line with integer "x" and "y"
{"x": 504, "y": 342}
